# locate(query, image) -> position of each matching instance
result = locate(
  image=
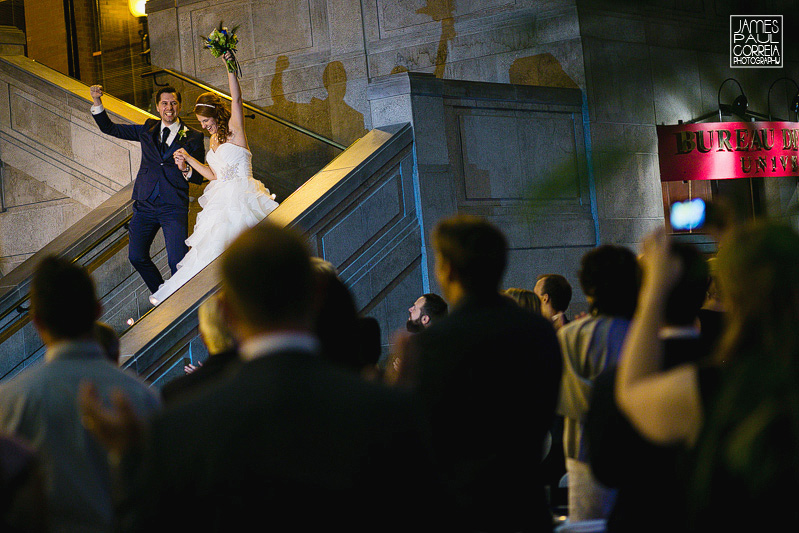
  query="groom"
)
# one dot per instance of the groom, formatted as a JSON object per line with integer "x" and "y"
{"x": 161, "y": 191}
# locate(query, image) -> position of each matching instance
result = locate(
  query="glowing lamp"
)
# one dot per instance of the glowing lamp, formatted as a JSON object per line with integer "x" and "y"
{"x": 136, "y": 8}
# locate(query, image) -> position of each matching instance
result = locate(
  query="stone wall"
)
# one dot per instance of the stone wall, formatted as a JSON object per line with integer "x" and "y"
{"x": 57, "y": 166}
{"x": 310, "y": 60}
{"x": 478, "y": 151}
{"x": 652, "y": 63}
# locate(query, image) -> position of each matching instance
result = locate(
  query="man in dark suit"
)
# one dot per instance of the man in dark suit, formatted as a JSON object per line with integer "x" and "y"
{"x": 161, "y": 191}
{"x": 287, "y": 440}
{"x": 488, "y": 376}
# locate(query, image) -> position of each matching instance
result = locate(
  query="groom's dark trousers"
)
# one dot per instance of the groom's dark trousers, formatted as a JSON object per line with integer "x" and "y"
{"x": 160, "y": 194}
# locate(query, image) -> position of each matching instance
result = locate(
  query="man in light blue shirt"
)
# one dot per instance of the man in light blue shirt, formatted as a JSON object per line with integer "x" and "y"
{"x": 39, "y": 405}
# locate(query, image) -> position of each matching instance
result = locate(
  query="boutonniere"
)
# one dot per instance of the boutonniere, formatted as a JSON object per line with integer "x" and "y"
{"x": 182, "y": 133}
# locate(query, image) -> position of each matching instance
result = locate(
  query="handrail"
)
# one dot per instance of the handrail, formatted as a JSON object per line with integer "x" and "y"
{"x": 95, "y": 244}
{"x": 261, "y": 112}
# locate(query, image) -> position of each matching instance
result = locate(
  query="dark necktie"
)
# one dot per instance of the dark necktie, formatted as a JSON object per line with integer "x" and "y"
{"x": 164, "y": 137}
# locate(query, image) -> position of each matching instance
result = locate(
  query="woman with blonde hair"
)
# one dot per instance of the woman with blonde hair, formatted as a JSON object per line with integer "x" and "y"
{"x": 738, "y": 417}
{"x": 525, "y": 298}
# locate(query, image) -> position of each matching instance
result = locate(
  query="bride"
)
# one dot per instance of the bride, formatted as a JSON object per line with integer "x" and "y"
{"x": 233, "y": 201}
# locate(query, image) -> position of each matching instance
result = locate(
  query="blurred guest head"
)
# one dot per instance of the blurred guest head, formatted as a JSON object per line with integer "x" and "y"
{"x": 267, "y": 282}
{"x": 555, "y": 294}
{"x": 610, "y": 278}
{"x": 471, "y": 255}
{"x": 63, "y": 301}
{"x": 425, "y": 310}
{"x": 758, "y": 275}
{"x": 214, "y": 331}
{"x": 525, "y": 298}
{"x": 321, "y": 266}
{"x": 336, "y": 317}
{"x": 347, "y": 340}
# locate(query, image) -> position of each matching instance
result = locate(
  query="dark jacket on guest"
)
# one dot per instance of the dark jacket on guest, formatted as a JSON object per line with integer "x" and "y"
{"x": 488, "y": 376}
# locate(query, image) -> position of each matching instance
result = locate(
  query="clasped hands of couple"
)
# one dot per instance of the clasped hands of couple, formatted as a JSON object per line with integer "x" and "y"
{"x": 180, "y": 156}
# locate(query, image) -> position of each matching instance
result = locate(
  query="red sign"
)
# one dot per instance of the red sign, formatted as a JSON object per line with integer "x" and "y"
{"x": 726, "y": 150}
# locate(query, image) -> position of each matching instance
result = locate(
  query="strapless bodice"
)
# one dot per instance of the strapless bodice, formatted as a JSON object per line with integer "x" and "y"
{"x": 230, "y": 161}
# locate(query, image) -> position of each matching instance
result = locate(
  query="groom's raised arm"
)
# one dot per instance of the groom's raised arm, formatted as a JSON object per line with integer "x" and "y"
{"x": 129, "y": 132}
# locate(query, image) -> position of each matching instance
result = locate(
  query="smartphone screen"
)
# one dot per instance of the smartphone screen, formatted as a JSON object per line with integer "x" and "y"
{"x": 688, "y": 215}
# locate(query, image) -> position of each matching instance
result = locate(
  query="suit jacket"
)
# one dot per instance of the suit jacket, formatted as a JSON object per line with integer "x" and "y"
{"x": 287, "y": 440}
{"x": 155, "y": 167}
{"x": 215, "y": 368}
{"x": 488, "y": 378}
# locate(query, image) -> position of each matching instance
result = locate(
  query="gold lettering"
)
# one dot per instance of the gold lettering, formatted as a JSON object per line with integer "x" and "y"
{"x": 794, "y": 164}
{"x": 756, "y": 144}
{"x": 724, "y": 140}
{"x": 764, "y": 135}
{"x": 774, "y": 164}
{"x": 740, "y": 140}
{"x": 789, "y": 139}
{"x": 685, "y": 142}
{"x": 784, "y": 162}
{"x": 761, "y": 164}
{"x": 744, "y": 168}
{"x": 700, "y": 141}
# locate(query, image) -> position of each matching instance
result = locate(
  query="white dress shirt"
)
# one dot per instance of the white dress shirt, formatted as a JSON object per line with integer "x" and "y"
{"x": 264, "y": 345}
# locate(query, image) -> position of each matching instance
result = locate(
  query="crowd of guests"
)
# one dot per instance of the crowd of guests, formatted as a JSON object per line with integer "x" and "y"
{"x": 654, "y": 416}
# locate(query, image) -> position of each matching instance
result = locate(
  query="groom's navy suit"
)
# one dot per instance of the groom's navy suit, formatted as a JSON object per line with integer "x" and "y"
{"x": 160, "y": 194}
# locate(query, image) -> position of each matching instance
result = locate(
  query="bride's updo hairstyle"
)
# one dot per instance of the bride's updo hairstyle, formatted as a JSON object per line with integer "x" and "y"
{"x": 211, "y": 105}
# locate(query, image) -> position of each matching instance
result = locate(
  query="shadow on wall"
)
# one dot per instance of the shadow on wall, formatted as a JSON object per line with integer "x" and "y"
{"x": 345, "y": 123}
{"x": 288, "y": 158}
{"x": 442, "y": 11}
{"x": 542, "y": 70}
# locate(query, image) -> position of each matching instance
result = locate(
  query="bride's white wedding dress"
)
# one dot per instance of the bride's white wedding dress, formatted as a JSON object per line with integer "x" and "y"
{"x": 231, "y": 203}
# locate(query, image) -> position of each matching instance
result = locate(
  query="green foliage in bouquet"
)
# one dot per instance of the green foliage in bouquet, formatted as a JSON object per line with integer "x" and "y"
{"x": 222, "y": 40}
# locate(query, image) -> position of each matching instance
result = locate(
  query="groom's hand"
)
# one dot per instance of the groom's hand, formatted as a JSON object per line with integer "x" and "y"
{"x": 97, "y": 94}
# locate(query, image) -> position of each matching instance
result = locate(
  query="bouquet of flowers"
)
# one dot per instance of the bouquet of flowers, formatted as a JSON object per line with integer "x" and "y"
{"x": 221, "y": 41}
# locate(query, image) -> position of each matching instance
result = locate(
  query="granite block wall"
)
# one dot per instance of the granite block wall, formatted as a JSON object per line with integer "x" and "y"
{"x": 478, "y": 150}
{"x": 57, "y": 166}
{"x": 659, "y": 63}
{"x": 309, "y": 61}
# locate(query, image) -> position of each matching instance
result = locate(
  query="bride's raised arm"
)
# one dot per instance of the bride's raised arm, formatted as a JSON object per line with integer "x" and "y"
{"x": 236, "y": 122}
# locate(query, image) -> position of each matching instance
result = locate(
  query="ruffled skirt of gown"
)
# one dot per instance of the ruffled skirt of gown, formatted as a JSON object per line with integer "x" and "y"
{"x": 228, "y": 208}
